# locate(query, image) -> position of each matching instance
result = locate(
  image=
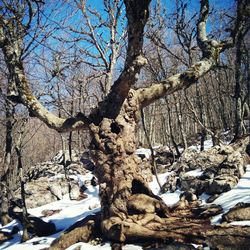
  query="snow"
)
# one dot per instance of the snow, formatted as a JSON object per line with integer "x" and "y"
{"x": 143, "y": 151}
{"x": 71, "y": 212}
{"x": 106, "y": 246}
{"x": 207, "y": 144}
{"x": 240, "y": 193}
{"x": 169, "y": 198}
{"x": 194, "y": 173}
{"x": 241, "y": 223}
{"x": 154, "y": 185}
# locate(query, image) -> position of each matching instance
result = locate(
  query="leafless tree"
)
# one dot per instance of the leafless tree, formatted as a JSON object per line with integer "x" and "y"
{"x": 100, "y": 52}
{"x": 129, "y": 209}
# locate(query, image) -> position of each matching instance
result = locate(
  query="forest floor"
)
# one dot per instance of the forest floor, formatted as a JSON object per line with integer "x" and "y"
{"x": 67, "y": 212}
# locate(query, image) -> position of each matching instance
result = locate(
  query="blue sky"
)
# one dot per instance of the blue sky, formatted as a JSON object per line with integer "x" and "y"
{"x": 67, "y": 10}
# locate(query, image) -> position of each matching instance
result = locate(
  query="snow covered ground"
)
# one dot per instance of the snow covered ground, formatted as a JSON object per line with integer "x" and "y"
{"x": 72, "y": 211}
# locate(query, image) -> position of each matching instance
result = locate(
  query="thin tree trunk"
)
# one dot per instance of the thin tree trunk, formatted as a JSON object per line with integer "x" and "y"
{"x": 70, "y": 145}
{"x": 18, "y": 149}
{"x": 151, "y": 149}
{"x": 238, "y": 131}
{"x": 180, "y": 123}
{"x": 65, "y": 164}
{"x": 171, "y": 130}
{"x": 201, "y": 117}
{"x": 5, "y": 179}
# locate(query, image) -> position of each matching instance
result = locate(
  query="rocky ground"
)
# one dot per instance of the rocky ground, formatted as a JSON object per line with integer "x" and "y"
{"x": 193, "y": 176}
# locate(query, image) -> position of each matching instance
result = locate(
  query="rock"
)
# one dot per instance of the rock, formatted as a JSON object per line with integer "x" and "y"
{"x": 83, "y": 188}
{"x": 226, "y": 169}
{"x": 55, "y": 189}
{"x": 190, "y": 182}
{"x": 209, "y": 173}
{"x": 179, "y": 167}
{"x": 35, "y": 225}
{"x": 222, "y": 183}
{"x": 143, "y": 153}
{"x": 248, "y": 149}
{"x": 87, "y": 163}
{"x": 50, "y": 169}
{"x": 216, "y": 159}
{"x": 239, "y": 212}
{"x": 45, "y": 190}
{"x": 165, "y": 157}
{"x": 40, "y": 227}
{"x": 161, "y": 169}
{"x": 46, "y": 182}
{"x": 82, "y": 196}
{"x": 225, "y": 149}
{"x": 212, "y": 198}
{"x": 146, "y": 169}
{"x": 93, "y": 206}
{"x": 38, "y": 193}
{"x": 222, "y": 166}
{"x": 75, "y": 168}
{"x": 171, "y": 183}
{"x": 94, "y": 181}
{"x": 45, "y": 169}
{"x": 188, "y": 196}
{"x": 48, "y": 212}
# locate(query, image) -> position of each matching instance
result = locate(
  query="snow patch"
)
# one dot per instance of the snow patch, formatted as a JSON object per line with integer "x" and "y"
{"x": 106, "y": 246}
{"x": 194, "y": 173}
{"x": 207, "y": 144}
{"x": 240, "y": 193}
{"x": 241, "y": 223}
{"x": 143, "y": 151}
{"x": 169, "y": 198}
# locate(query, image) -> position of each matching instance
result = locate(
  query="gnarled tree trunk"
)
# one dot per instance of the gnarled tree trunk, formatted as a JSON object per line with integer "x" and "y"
{"x": 126, "y": 200}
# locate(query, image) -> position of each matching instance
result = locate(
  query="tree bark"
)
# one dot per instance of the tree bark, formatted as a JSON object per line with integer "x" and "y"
{"x": 126, "y": 200}
{"x": 5, "y": 185}
{"x": 239, "y": 123}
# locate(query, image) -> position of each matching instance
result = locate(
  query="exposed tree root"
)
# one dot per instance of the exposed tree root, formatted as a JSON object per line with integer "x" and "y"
{"x": 35, "y": 225}
{"x": 186, "y": 225}
{"x": 82, "y": 231}
{"x": 229, "y": 237}
{"x": 182, "y": 224}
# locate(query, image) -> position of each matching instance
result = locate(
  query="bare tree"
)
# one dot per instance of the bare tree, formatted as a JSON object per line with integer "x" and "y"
{"x": 129, "y": 209}
{"x": 101, "y": 52}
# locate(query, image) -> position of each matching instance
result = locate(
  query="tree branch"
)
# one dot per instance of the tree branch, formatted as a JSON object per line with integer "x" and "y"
{"x": 21, "y": 92}
{"x": 137, "y": 14}
{"x": 211, "y": 50}
{"x": 174, "y": 83}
